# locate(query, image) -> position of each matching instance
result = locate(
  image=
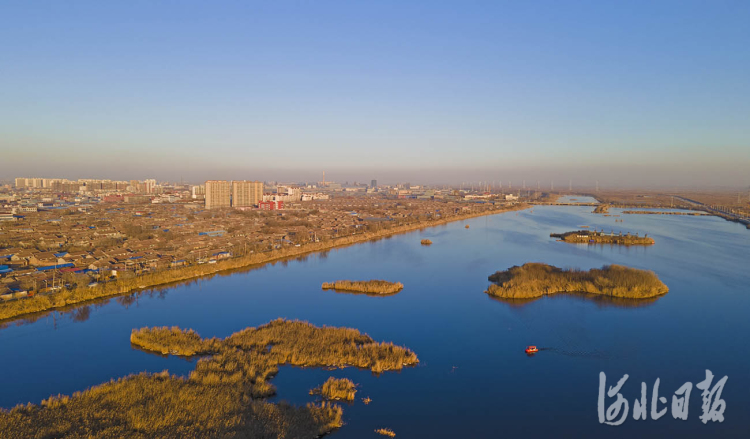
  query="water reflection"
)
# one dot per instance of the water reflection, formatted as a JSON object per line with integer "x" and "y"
{"x": 601, "y": 301}
{"x": 357, "y": 293}
{"x": 81, "y": 312}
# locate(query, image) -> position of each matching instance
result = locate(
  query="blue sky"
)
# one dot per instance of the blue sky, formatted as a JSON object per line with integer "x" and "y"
{"x": 427, "y": 91}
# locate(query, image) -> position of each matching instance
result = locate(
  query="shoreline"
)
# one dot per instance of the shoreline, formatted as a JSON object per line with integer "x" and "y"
{"x": 120, "y": 287}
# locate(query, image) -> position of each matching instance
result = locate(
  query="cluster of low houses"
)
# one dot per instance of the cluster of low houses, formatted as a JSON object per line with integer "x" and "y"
{"x": 41, "y": 248}
{"x": 47, "y": 270}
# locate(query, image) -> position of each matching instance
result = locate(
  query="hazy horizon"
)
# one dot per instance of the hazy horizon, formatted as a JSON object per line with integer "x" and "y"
{"x": 631, "y": 95}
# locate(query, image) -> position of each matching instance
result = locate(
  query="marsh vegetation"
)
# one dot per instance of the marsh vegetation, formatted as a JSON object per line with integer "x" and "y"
{"x": 341, "y": 389}
{"x": 380, "y": 287}
{"x": 602, "y": 208}
{"x": 222, "y": 397}
{"x": 587, "y": 236}
{"x": 535, "y": 280}
{"x": 426, "y": 242}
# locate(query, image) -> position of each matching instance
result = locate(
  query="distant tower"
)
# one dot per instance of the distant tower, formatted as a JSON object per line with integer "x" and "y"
{"x": 324, "y": 177}
{"x": 510, "y": 185}
{"x": 524, "y": 184}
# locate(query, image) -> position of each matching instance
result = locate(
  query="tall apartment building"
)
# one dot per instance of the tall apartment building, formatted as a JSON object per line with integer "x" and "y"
{"x": 198, "y": 191}
{"x": 246, "y": 193}
{"x": 150, "y": 186}
{"x": 217, "y": 194}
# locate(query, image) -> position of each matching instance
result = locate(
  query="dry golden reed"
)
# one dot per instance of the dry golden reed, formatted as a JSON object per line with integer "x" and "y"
{"x": 535, "y": 280}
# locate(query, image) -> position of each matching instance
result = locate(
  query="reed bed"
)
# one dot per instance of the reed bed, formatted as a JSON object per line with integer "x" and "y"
{"x": 367, "y": 286}
{"x": 602, "y": 208}
{"x": 586, "y": 236}
{"x": 535, "y": 280}
{"x": 341, "y": 389}
{"x": 222, "y": 397}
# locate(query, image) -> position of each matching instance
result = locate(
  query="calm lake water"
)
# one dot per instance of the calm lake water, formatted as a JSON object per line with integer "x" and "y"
{"x": 474, "y": 379}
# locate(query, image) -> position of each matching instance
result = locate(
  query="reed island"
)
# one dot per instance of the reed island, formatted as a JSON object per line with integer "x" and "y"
{"x": 599, "y": 237}
{"x": 385, "y": 432}
{"x": 374, "y": 287}
{"x": 336, "y": 389}
{"x": 533, "y": 280}
{"x": 425, "y": 242}
{"x": 222, "y": 397}
{"x": 602, "y": 208}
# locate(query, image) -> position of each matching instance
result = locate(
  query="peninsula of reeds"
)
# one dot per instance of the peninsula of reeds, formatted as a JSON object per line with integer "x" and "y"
{"x": 533, "y": 280}
{"x": 594, "y": 237}
{"x": 378, "y": 287}
{"x": 339, "y": 389}
{"x": 222, "y": 397}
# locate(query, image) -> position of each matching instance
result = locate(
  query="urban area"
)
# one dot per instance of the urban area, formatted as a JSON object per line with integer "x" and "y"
{"x": 58, "y": 234}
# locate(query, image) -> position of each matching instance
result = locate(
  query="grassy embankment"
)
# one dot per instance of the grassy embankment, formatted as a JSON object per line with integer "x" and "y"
{"x": 341, "y": 389}
{"x": 535, "y": 280}
{"x": 378, "y": 287}
{"x": 222, "y": 397}
{"x": 585, "y": 236}
{"x": 39, "y": 303}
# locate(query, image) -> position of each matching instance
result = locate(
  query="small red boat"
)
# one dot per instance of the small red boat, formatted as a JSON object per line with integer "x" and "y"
{"x": 531, "y": 349}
